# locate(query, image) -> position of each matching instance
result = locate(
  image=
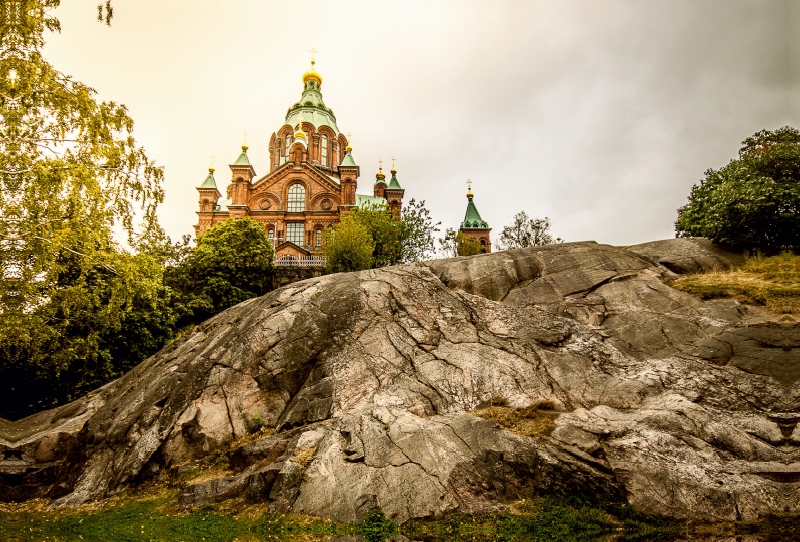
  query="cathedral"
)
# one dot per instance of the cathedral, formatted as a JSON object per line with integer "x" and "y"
{"x": 312, "y": 180}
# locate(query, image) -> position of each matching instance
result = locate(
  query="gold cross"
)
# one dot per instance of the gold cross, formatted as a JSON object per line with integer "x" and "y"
{"x": 380, "y": 164}
{"x": 245, "y": 138}
{"x": 392, "y": 162}
{"x": 469, "y": 185}
{"x": 313, "y": 51}
{"x": 212, "y": 160}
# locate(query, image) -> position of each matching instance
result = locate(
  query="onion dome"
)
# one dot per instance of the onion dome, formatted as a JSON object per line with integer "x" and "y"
{"x": 311, "y": 108}
{"x": 380, "y": 177}
{"x": 312, "y": 74}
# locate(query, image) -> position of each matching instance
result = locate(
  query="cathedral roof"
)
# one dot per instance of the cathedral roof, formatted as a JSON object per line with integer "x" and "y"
{"x": 222, "y": 206}
{"x": 243, "y": 160}
{"x": 348, "y": 160}
{"x": 311, "y": 108}
{"x": 472, "y": 219}
{"x": 209, "y": 182}
{"x": 393, "y": 184}
{"x": 366, "y": 201}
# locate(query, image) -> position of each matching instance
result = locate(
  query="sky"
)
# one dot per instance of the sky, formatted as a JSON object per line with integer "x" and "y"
{"x": 598, "y": 114}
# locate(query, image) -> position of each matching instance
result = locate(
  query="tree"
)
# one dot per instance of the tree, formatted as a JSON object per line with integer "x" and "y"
{"x": 417, "y": 232}
{"x": 348, "y": 246}
{"x": 754, "y": 201}
{"x": 395, "y": 240}
{"x": 233, "y": 262}
{"x": 70, "y": 174}
{"x": 457, "y": 244}
{"x": 527, "y": 232}
{"x": 386, "y": 232}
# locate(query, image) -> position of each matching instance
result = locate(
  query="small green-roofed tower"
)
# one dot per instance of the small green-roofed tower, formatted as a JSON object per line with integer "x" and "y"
{"x": 394, "y": 192}
{"x": 380, "y": 181}
{"x": 349, "y": 172}
{"x": 208, "y": 194}
{"x": 473, "y": 225}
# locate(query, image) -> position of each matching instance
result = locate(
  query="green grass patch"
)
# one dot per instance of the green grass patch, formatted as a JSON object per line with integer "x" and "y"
{"x": 127, "y": 520}
{"x": 772, "y": 282}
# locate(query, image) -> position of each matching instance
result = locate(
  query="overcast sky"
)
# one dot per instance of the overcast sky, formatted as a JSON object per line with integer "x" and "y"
{"x": 599, "y": 114}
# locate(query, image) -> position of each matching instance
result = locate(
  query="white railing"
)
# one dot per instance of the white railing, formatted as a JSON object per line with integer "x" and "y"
{"x": 300, "y": 261}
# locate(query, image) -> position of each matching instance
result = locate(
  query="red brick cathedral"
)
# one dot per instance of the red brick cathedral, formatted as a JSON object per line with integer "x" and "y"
{"x": 312, "y": 179}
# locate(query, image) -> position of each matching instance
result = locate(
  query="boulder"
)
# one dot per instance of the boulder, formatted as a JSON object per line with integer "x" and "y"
{"x": 374, "y": 383}
{"x": 690, "y": 255}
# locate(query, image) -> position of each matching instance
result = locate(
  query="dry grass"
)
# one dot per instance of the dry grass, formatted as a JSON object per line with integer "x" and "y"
{"x": 771, "y": 282}
{"x": 258, "y": 434}
{"x": 532, "y": 421}
{"x": 304, "y": 456}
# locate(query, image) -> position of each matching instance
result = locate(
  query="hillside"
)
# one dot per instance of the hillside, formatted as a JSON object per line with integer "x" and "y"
{"x": 388, "y": 389}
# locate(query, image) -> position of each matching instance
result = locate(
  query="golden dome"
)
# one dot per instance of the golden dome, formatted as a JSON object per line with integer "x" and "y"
{"x": 381, "y": 175}
{"x": 312, "y": 74}
{"x": 299, "y": 131}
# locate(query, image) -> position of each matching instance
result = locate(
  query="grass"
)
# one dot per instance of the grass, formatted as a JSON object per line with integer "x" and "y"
{"x": 532, "y": 421}
{"x": 770, "y": 282}
{"x": 555, "y": 518}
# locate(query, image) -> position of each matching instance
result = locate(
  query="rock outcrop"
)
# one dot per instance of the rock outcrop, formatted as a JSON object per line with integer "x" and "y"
{"x": 686, "y": 408}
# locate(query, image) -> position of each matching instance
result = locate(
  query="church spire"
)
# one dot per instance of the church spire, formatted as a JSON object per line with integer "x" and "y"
{"x": 393, "y": 183}
{"x": 472, "y": 218}
{"x": 209, "y": 182}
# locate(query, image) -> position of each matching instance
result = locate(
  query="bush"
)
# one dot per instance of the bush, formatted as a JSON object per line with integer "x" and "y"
{"x": 348, "y": 246}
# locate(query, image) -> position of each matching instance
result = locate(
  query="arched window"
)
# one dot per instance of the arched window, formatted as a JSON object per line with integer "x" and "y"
{"x": 319, "y": 237}
{"x": 324, "y": 150}
{"x": 296, "y": 203}
{"x": 271, "y": 235}
{"x": 288, "y": 144}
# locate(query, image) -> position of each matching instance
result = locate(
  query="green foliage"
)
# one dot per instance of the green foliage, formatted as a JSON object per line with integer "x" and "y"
{"x": 417, "y": 232}
{"x": 233, "y": 262}
{"x": 527, "y": 232}
{"x": 754, "y": 201}
{"x": 70, "y": 175}
{"x": 348, "y": 246}
{"x": 457, "y": 244}
{"x": 375, "y": 527}
{"x": 386, "y": 232}
{"x": 394, "y": 240}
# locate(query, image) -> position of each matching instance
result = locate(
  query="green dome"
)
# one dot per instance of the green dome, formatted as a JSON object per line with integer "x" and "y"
{"x": 311, "y": 109}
